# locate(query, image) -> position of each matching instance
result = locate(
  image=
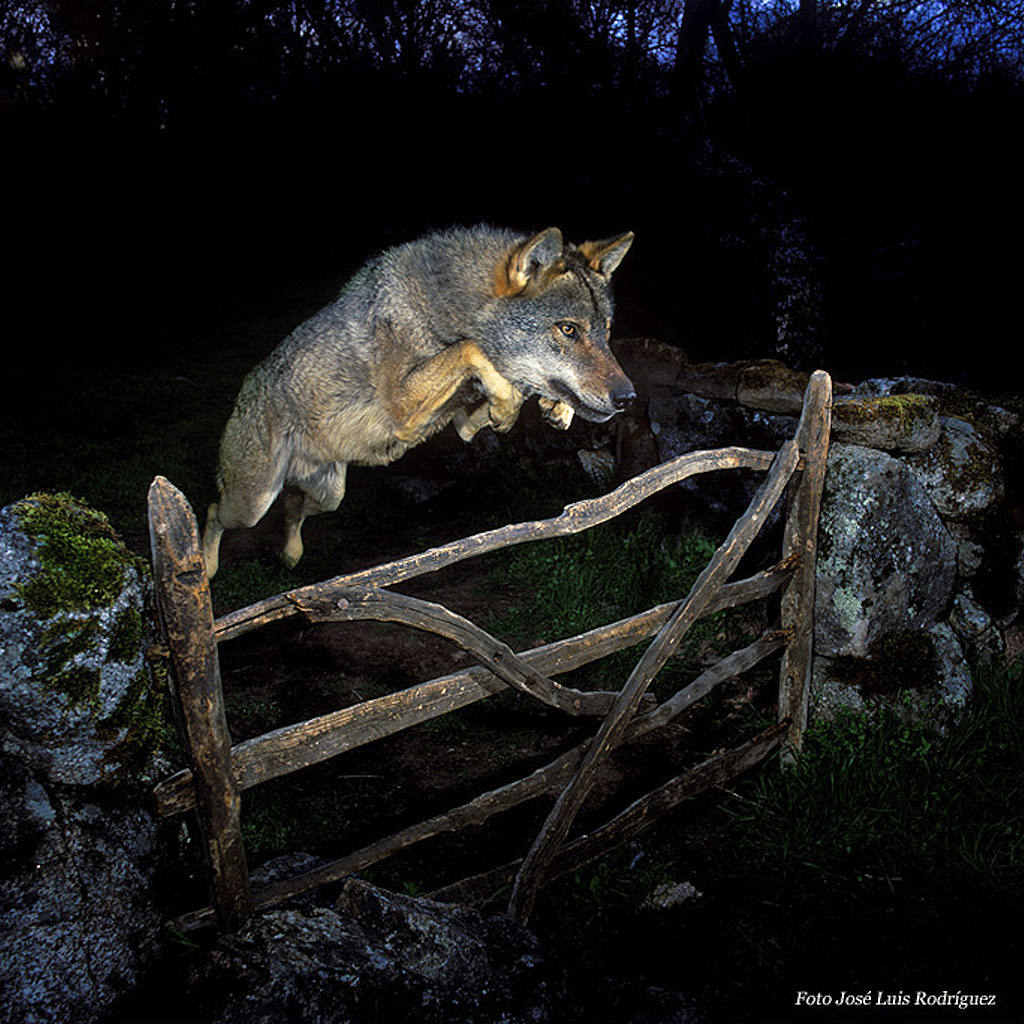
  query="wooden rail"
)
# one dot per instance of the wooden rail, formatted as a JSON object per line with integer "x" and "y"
{"x": 219, "y": 772}
{"x": 581, "y": 515}
{"x": 284, "y": 750}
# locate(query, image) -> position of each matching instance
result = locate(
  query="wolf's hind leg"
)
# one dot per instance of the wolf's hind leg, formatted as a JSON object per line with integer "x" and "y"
{"x": 230, "y": 512}
{"x": 248, "y": 484}
{"x": 320, "y": 492}
{"x": 211, "y": 540}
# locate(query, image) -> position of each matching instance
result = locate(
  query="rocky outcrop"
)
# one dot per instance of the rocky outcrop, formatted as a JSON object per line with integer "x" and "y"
{"x": 378, "y": 955}
{"x": 961, "y": 473}
{"x": 886, "y": 563}
{"x": 76, "y": 688}
{"x": 79, "y": 718}
{"x": 921, "y": 532}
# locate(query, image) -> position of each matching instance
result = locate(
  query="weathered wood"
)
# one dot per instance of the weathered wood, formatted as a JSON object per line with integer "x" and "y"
{"x": 716, "y": 771}
{"x": 711, "y": 579}
{"x": 386, "y": 606}
{"x": 186, "y": 617}
{"x": 478, "y": 810}
{"x": 579, "y": 516}
{"x": 296, "y": 746}
{"x": 729, "y": 667}
{"x": 800, "y": 541}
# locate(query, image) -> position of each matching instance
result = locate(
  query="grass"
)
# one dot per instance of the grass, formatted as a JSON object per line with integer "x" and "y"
{"x": 572, "y": 584}
{"x": 887, "y": 859}
{"x": 584, "y": 580}
{"x": 241, "y": 583}
{"x": 886, "y": 799}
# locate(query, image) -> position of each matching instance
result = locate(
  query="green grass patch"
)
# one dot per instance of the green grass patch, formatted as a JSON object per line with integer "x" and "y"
{"x": 243, "y": 583}
{"x": 591, "y": 578}
{"x": 266, "y": 831}
{"x": 615, "y": 570}
{"x": 887, "y": 859}
{"x": 881, "y": 798}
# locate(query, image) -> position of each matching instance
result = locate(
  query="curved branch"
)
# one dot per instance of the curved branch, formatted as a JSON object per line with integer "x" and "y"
{"x": 574, "y": 518}
{"x": 386, "y": 606}
{"x": 305, "y": 743}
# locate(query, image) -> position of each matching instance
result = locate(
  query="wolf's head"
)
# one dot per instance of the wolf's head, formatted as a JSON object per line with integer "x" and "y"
{"x": 547, "y": 326}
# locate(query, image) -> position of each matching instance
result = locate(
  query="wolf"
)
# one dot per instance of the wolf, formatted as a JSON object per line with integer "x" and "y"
{"x": 460, "y": 326}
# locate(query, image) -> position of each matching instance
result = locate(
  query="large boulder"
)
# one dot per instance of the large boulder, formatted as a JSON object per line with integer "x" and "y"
{"x": 922, "y": 677}
{"x": 79, "y": 718}
{"x": 74, "y": 685}
{"x": 961, "y": 472}
{"x": 379, "y": 956}
{"x": 886, "y": 563}
{"x": 897, "y": 423}
{"x": 78, "y": 923}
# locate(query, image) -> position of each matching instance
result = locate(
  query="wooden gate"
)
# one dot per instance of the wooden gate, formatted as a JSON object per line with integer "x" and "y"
{"x": 220, "y": 771}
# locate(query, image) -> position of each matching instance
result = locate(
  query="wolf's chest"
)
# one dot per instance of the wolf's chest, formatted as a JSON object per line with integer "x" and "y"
{"x": 366, "y": 435}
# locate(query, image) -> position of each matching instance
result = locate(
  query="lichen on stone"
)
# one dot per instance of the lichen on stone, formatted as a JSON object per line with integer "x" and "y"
{"x": 80, "y": 684}
{"x": 141, "y": 721}
{"x": 63, "y": 639}
{"x": 962, "y": 474}
{"x": 899, "y": 409}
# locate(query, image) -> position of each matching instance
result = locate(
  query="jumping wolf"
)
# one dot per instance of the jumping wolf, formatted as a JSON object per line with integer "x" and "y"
{"x": 462, "y": 325}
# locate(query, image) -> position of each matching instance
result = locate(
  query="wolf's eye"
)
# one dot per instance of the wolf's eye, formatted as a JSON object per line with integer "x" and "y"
{"x": 569, "y": 330}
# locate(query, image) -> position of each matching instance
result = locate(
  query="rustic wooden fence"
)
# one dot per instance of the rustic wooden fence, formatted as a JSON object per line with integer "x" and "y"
{"x": 220, "y": 771}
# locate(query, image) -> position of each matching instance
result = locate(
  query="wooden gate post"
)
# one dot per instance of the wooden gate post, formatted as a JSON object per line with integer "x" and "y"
{"x": 185, "y": 612}
{"x": 800, "y": 539}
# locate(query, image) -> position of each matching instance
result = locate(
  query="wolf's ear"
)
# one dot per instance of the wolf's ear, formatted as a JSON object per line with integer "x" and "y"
{"x": 605, "y": 256}
{"x": 529, "y": 261}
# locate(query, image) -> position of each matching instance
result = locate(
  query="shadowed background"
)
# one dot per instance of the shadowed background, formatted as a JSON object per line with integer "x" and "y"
{"x": 172, "y": 164}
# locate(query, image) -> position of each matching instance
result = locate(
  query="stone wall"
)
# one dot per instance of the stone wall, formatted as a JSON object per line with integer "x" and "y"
{"x": 920, "y": 570}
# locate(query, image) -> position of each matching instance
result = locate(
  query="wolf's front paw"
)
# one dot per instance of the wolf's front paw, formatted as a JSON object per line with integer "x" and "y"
{"x": 558, "y": 414}
{"x": 503, "y": 409}
{"x": 469, "y": 424}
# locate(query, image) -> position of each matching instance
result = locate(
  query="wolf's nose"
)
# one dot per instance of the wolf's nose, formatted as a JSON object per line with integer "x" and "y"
{"x": 622, "y": 396}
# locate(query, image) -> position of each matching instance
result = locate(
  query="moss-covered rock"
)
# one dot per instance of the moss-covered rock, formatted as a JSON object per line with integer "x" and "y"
{"x": 80, "y": 716}
{"x": 892, "y": 423}
{"x": 75, "y": 688}
{"x": 82, "y": 562}
{"x": 997, "y": 422}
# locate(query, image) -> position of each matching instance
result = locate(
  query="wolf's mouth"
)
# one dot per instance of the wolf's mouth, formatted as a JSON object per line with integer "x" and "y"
{"x": 564, "y": 393}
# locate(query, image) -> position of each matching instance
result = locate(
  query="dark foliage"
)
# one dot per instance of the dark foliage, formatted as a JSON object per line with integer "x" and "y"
{"x": 170, "y": 160}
